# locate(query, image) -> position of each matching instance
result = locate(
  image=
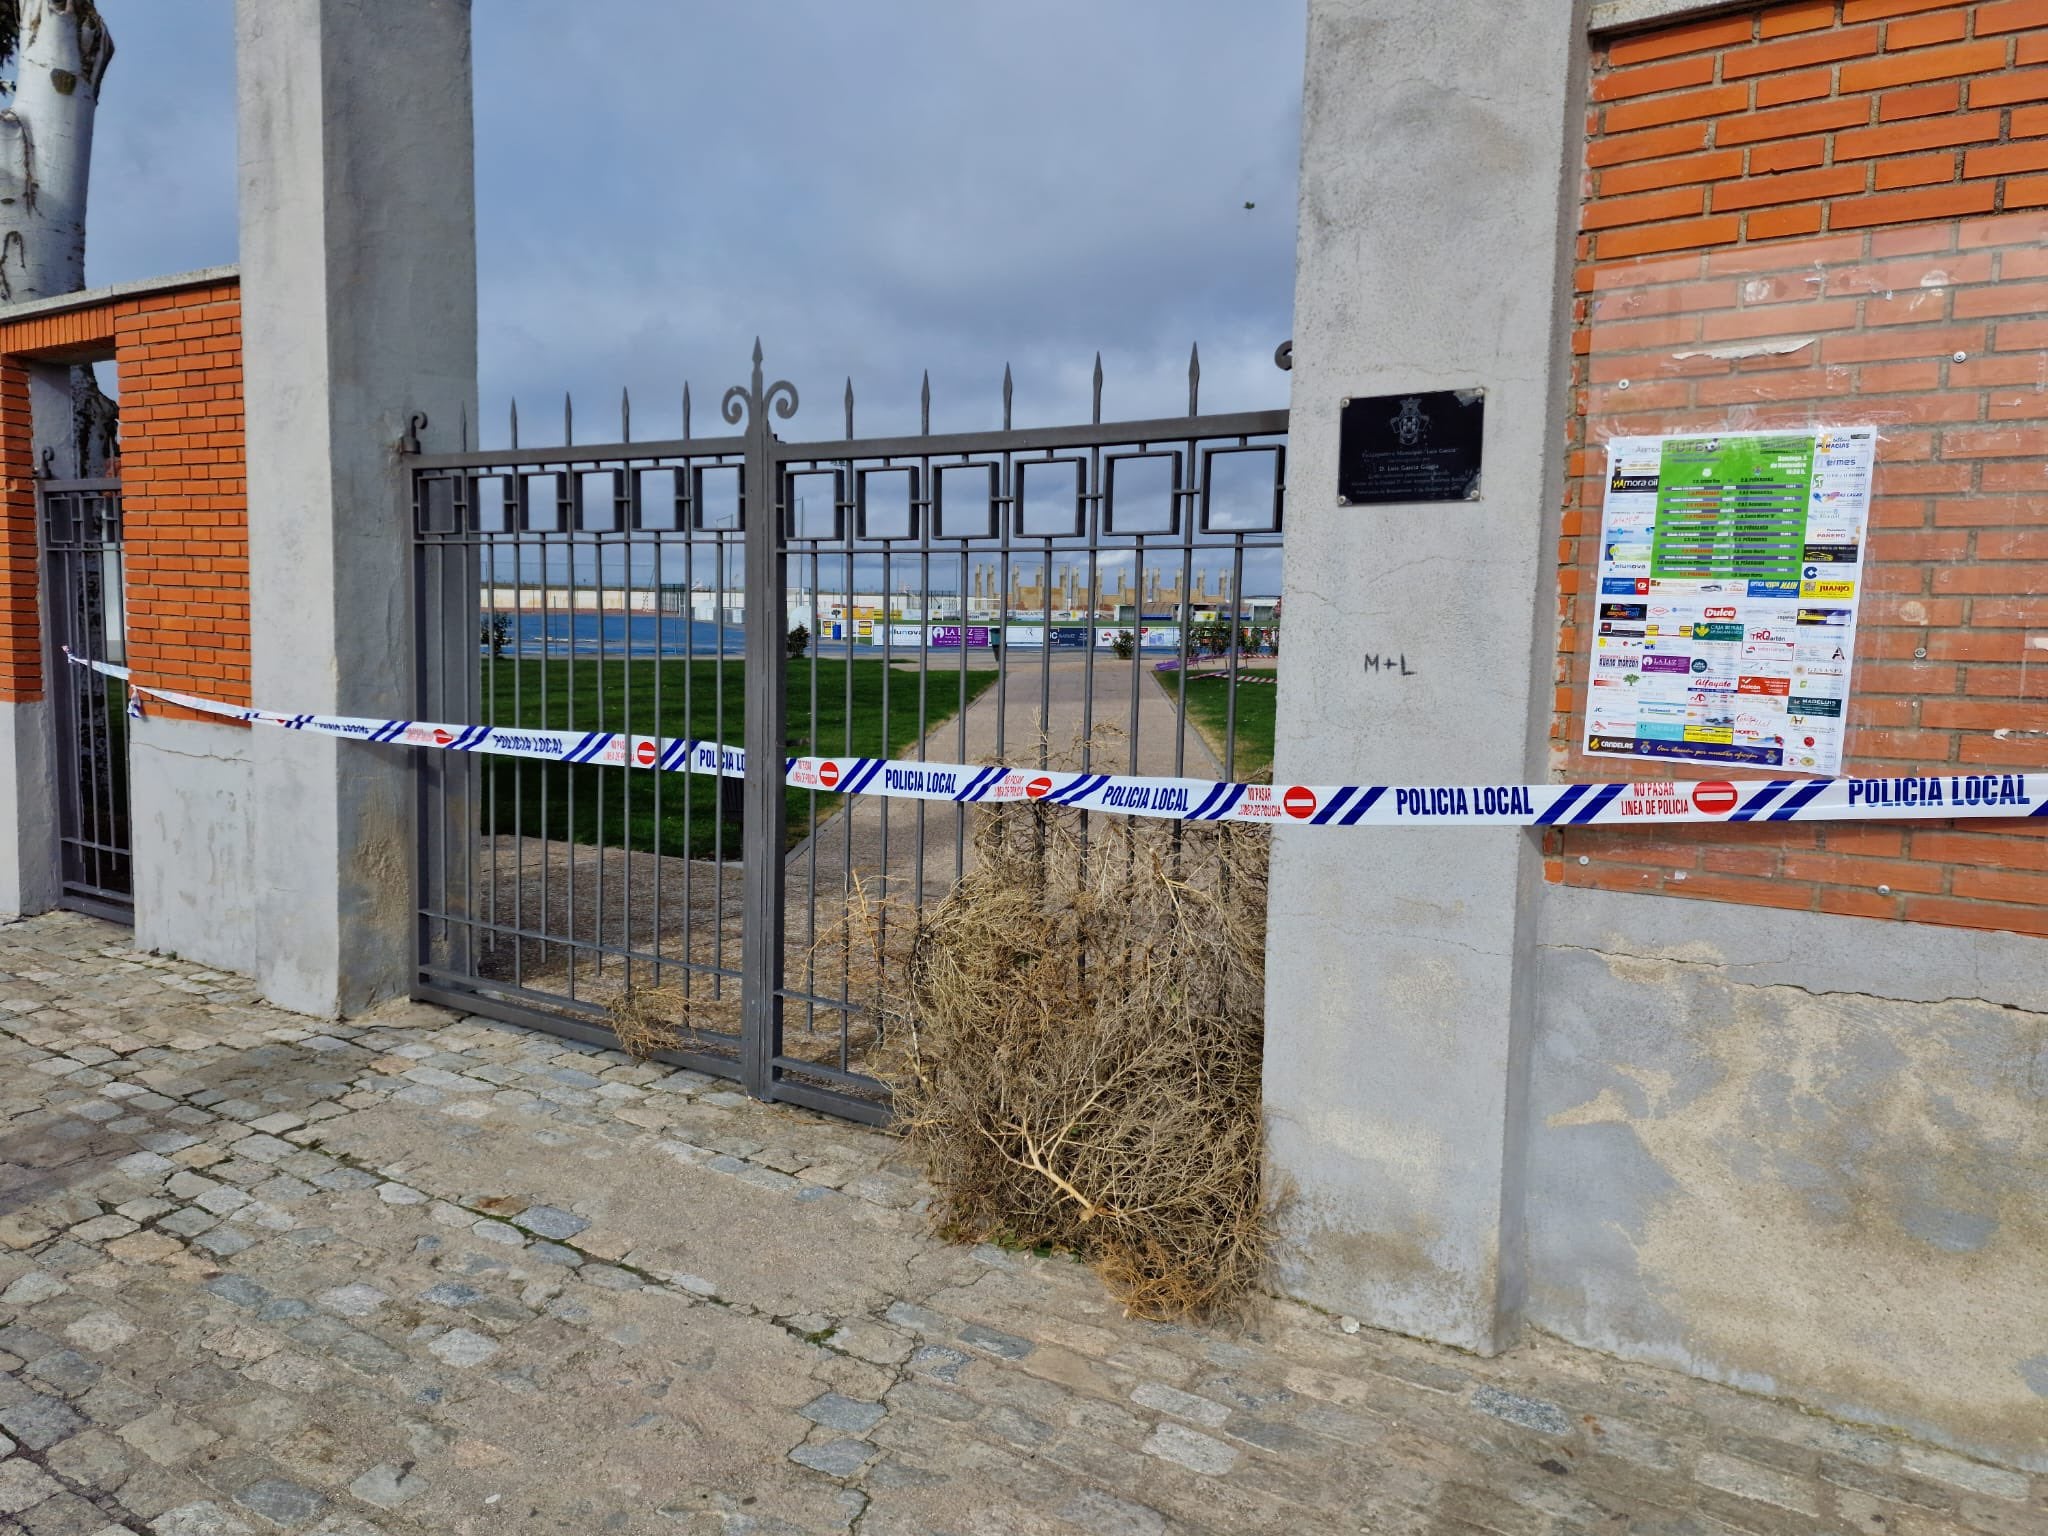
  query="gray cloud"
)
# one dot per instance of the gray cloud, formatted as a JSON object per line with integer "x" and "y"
{"x": 873, "y": 189}
{"x": 163, "y": 165}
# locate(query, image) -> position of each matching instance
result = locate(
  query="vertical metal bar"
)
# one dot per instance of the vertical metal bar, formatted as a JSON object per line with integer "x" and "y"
{"x": 604, "y": 669}
{"x": 658, "y": 600}
{"x": 90, "y": 717}
{"x": 486, "y": 812}
{"x": 924, "y": 566}
{"x": 622, "y": 526}
{"x": 515, "y": 522}
{"x": 811, "y": 841}
{"x": 766, "y": 702}
{"x": 98, "y": 746}
{"x": 565, "y": 523}
{"x": 687, "y": 517}
{"x": 435, "y": 768}
{"x": 847, "y": 809}
{"x": 1232, "y": 667}
{"x": 1185, "y": 510}
{"x": 718, "y": 782}
{"x": 541, "y": 775}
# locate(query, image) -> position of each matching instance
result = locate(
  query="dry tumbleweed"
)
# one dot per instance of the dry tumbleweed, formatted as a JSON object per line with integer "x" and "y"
{"x": 1081, "y": 1024}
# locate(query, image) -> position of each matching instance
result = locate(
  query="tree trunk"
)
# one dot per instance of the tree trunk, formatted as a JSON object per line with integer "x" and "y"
{"x": 61, "y": 55}
{"x": 46, "y": 147}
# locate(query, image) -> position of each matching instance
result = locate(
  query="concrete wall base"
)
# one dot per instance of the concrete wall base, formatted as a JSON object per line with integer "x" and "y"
{"x": 1803, "y": 1154}
{"x": 28, "y": 810}
{"x": 190, "y": 807}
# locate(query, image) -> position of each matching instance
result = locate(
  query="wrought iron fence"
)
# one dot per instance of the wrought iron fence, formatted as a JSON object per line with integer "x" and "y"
{"x": 1091, "y": 595}
{"x": 81, "y": 532}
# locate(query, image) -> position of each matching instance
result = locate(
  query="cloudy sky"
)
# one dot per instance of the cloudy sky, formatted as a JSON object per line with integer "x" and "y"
{"x": 874, "y": 189}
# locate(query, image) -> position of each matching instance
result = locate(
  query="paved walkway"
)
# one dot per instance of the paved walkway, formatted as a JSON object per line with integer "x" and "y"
{"x": 423, "y": 1273}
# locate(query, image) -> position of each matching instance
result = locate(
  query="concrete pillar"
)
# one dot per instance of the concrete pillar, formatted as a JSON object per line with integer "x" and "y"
{"x": 1435, "y": 235}
{"x": 358, "y": 237}
{"x": 28, "y": 809}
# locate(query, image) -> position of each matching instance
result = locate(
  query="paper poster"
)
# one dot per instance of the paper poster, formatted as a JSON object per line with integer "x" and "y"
{"x": 1725, "y": 607}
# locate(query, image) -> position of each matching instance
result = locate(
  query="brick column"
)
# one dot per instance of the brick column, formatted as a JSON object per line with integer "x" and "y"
{"x": 187, "y": 557}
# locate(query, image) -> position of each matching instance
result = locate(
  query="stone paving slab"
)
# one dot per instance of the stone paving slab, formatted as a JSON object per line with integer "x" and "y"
{"x": 420, "y": 1272}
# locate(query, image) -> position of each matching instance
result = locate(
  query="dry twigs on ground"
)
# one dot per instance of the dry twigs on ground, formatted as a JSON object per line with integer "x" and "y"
{"x": 648, "y": 1020}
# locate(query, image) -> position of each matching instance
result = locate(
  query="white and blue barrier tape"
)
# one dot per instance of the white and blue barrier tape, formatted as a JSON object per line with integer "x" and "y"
{"x": 1637, "y": 803}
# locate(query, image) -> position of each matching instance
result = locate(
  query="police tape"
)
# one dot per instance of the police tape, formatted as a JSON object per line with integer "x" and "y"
{"x": 1636, "y": 803}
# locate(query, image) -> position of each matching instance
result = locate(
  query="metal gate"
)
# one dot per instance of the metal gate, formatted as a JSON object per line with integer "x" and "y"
{"x": 1099, "y": 595}
{"x": 81, "y": 533}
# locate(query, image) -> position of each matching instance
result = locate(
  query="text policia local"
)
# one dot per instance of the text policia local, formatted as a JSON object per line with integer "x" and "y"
{"x": 1465, "y": 800}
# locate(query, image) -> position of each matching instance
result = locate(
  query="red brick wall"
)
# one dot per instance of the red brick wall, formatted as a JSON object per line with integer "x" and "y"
{"x": 1844, "y": 185}
{"x": 21, "y": 634}
{"x": 183, "y": 491}
{"x": 185, "y": 520}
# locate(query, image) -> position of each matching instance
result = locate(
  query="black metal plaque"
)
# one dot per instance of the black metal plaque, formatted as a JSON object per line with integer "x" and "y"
{"x": 1409, "y": 448}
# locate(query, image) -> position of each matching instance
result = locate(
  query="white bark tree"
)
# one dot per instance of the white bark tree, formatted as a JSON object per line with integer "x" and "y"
{"x": 60, "y": 49}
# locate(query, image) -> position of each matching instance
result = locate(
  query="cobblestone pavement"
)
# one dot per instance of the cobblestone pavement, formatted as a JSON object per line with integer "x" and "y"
{"x": 425, "y": 1273}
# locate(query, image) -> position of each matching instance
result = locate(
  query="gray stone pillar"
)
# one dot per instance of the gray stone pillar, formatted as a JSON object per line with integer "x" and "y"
{"x": 358, "y": 240}
{"x": 1435, "y": 240}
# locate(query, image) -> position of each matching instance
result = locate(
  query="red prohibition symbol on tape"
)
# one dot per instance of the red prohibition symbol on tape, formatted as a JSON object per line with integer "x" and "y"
{"x": 828, "y": 775}
{"x": 645, "y": 753}
{"x": 1038, "y": 788}
{"x": 1300, "y": 803}
{"x": 1715, "y": 799}
{"x": 442, "y": 738}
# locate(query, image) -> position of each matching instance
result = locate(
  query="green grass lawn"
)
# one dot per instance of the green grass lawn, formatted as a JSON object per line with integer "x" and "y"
{"x": 608, "y": 804}
{"x": 1208, "y": 706}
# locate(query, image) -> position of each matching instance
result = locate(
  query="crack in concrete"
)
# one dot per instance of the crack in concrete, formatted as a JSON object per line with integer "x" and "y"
{"x": 1732, "y": 975}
